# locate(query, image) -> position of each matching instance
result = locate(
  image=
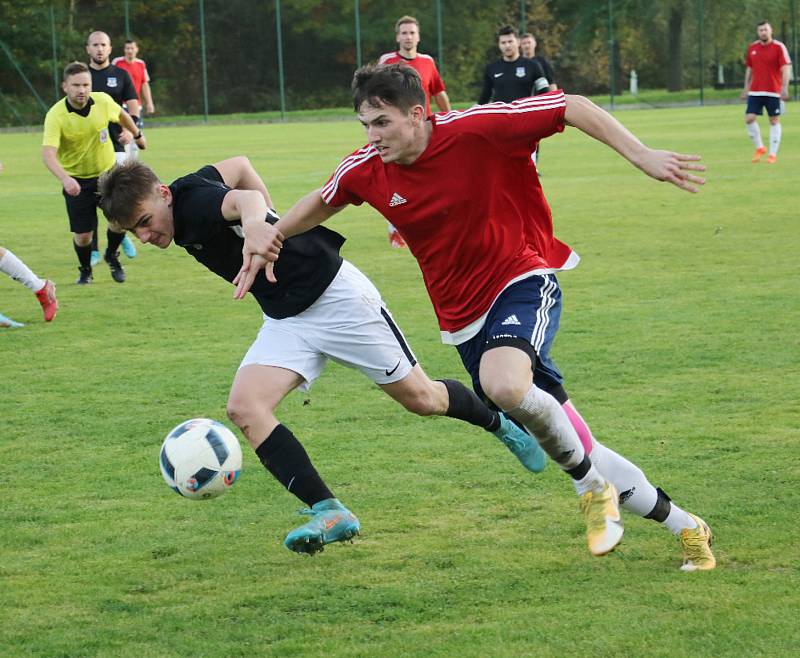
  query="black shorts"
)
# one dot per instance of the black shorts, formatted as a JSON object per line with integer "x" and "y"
{"x": 82, "y": 209}
{"x": 756, "y": 104}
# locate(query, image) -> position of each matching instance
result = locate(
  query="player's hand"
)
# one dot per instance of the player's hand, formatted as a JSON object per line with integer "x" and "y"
{"x": 71, "y": 186}
{"x": 784, "y": 95}
{"x": 262, "y": 239}
{"x": 142, "y": 143}
{"x": 252, "y": 264}
{"x": 675, "y": 168}
{"x": 125, "y": 137}
{"x": 150, "y": 108}
{"x": 743, "y": 95}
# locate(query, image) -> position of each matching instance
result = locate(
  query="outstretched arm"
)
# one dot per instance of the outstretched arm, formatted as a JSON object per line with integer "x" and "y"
{"x": 666, "y": 166}
{"x": 238, "y": 174}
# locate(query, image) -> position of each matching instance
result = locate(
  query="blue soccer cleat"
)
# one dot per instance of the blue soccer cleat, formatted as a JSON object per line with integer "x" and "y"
{"x": 7, "y": 322}
{"x": 95, "y": 258}
{"x": 332, "y": 522}
{"x": 128, "y": 248}
{"x": 521, "y": 444}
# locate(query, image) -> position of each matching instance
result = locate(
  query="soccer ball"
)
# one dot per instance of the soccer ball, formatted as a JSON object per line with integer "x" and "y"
{"x": 200, "y": 458}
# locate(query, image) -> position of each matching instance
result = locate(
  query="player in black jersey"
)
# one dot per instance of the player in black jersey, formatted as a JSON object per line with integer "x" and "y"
{"x": 117, "y": 83}
{"x": 320, "y": 308}
{"x": 511, "y": 77}
{"x": 527, "y": 48}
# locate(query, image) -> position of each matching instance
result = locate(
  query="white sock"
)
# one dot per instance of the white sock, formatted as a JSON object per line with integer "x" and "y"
{"x": 544, "y": 418}
{"x": 636, "y": 494}
{"x": 775, "y": 131}
{"x": 678, "y": 519}
{"x": 755, "y": 134}
{"x": 19, "y": 271}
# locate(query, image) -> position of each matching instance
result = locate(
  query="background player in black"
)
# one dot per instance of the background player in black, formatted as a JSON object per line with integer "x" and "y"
{"x": 512, "y": 76}
{"x": 527, "y": 48}
{"x": 321, "y": 307}
{"x": 117, "y": 83}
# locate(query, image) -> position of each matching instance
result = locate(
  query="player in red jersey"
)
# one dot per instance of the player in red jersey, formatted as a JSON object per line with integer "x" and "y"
{"x": 462, "y": 190}
{"x": 137, "y": 69}
{"x": 766, "y": 85}
{"x": 406, "y": 31}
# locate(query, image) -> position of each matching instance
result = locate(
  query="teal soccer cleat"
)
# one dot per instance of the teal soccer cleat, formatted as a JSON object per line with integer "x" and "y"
{"x": 128, "y": 248}
{"x": 332, "y": 522}
{"x": 522, "y": 444}
{"x": 95, "y": 258}
{"x": 9, "y": 323}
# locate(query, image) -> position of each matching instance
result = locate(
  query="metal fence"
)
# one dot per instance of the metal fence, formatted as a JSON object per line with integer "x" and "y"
{"x": 212, "y": 57}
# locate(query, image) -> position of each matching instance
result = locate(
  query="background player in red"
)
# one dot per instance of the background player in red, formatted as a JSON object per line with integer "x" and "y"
{"x": 766, "y": 84}
{"x": 137, "y": 69}
{"x": 462, "y": 190}
{"x": 406, "y": 31}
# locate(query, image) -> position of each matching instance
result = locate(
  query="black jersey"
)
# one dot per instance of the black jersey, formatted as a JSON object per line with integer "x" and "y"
{"x": 548, "y": 70}
{"x": 507, "y": 81}
{"x": 306, "y": 267}
{"x": 118, "y": 84}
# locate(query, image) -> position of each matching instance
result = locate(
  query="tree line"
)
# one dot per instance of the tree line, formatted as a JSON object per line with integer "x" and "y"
{"x": 671, "y": 44}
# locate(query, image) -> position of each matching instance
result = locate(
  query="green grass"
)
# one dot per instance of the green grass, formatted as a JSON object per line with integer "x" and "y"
{"x": 679, "y": 344}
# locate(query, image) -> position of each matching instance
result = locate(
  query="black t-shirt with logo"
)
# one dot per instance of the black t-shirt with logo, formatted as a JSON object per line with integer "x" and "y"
{"x": 308, "y": 262}
{"x": 118, "y": 84}
{"x": 507, "y": 81}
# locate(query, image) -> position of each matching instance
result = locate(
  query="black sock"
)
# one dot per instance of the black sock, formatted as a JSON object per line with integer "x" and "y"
{"x": 465, "y": 405}
{"x": 114, "y": 240}
{"x": 84, "y": 255}
{"x": 662, "y": 508}
{"x": 284, "y": 456}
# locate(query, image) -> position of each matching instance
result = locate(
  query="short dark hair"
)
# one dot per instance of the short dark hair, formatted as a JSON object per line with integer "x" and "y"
{"x": 123, "y": 188}
{"x": 506, "y": 30}
{"x": 398, "y": 85}
{"x": 763, "y": 23}
{"x": 127, "y": 41}
{"x": 74, "y": 68}
{"x": 527, "y": 35}
{"x": 403, "y": 20}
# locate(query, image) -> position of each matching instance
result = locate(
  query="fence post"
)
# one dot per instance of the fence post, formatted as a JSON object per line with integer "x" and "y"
{"x": 127, "y": 21}
{"x": 203, "y": 59}
{"x": 439, "y": 45}
{"x": 522, "y": 19}
{"x": 794, "y": 46}
{"x": 22, "y": 75}
{"x": 358, "y": 35}
{"x": 281, "y": 81}
{"x": 700, "y": 50}
{"x": 56, "y": 89}
{"x": 611, "y": 74}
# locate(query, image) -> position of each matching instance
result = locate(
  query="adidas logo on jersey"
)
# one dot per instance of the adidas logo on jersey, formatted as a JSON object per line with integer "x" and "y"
{"x": 396, "y": 200}
{"x": 511, "y": 319}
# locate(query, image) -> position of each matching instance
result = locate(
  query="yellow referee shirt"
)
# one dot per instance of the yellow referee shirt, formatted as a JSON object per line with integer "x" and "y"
{"x": 84, "y": 145}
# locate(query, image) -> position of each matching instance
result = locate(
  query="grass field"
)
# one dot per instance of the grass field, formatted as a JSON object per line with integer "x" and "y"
{"x": 679, "y": 343}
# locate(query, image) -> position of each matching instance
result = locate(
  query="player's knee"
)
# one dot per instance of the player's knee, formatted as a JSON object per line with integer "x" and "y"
{"x": 242, "y": 411}
{"x": 421, "y": 403}
{"x": 505, "y": 392}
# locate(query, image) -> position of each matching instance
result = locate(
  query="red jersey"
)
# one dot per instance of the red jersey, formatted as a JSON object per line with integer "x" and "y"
{"x": 432, "y": 82}
{"x": 470, "y": 208}
{"x": 137, "y": 69}
{"x": 765, "y": 62}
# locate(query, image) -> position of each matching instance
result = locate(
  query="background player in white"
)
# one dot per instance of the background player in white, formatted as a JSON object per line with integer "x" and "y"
{"x": 766, "y": 85}
{"x": 323, "y": 308}
{"x": 485, "y": 244}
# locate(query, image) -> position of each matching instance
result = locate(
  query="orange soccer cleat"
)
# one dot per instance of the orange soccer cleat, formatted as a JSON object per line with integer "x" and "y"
{"x": 47, "y": 298}
{"x": 759, "y": 154}
{"x": 771, "y": 158}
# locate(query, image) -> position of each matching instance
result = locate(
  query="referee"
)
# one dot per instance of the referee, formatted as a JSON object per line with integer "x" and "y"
{"x": 511, "y": 77}
{"x": 118, "y": 84}
{"x": 76, "y": 149}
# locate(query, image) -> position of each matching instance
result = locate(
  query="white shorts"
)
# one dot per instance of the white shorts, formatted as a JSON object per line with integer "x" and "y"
{"x": 348, "y": 323}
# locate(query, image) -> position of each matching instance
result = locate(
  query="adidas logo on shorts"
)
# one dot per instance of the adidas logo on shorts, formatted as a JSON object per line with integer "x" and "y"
{"x": 511, "y": 319}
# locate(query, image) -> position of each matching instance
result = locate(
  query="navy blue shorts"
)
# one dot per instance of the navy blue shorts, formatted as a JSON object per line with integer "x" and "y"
{"x": 525, "y": 315}
{"x": 755, "y": 104}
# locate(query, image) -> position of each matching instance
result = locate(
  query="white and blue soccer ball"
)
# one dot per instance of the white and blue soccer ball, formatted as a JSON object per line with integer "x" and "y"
{"x": 201, "y": 458}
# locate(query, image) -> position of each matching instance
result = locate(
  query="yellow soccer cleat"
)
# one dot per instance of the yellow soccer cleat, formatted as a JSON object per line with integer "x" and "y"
{"x": 603, "y": 522}
{"x": 696, "y": 545}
